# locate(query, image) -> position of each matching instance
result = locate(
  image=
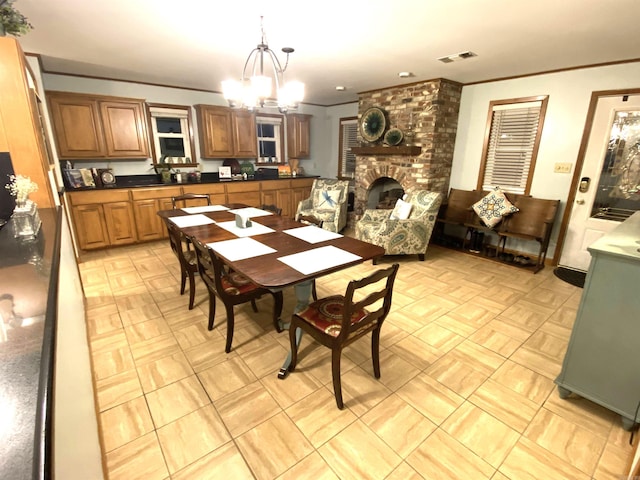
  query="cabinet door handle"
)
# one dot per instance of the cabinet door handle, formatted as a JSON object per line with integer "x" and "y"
{"x": 580, "y": 202}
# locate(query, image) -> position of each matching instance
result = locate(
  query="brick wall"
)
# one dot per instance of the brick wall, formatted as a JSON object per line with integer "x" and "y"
{"x": 431, "y": 108}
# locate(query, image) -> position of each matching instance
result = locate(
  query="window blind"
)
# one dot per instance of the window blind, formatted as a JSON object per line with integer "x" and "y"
{"x": 349, "y": 132}
{"x": 514, "y": 128}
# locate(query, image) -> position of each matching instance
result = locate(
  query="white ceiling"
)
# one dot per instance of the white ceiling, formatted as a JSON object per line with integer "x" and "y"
{"x": 360, "y": 44}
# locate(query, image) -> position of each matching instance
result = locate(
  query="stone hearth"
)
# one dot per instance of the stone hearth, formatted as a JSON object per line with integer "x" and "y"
{"x": 428, "y": 109}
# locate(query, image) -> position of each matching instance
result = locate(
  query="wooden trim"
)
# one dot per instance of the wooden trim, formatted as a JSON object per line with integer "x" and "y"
{"x": 381, "y": 150}
{"x": 534, "y": 152}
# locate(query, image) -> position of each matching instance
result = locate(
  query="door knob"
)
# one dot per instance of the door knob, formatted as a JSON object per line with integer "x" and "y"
{"x": 580, "y": 202}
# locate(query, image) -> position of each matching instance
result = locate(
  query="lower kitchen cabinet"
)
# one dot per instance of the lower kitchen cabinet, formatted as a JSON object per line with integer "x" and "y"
{"x": 102, "y": 218}
{"x": 146, "y": 204}
{"x": 105, "y": 218}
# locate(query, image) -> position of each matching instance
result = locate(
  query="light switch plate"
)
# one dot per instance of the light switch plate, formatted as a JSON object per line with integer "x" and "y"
{"x": 562, "y": 167}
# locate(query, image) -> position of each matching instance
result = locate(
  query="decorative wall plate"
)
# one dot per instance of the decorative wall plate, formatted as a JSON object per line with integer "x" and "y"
{"x": 393, "y": 137}
{"x": 372, "y": 124}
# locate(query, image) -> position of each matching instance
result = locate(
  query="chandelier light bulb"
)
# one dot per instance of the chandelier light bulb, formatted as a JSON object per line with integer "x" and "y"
{"x": 256, "y": 88}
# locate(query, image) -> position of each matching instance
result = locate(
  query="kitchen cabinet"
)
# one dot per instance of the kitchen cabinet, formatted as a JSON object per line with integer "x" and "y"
{"x": 226, "y": 133}
{"x": 102, "y": 218}
{"x": 602, "y": 362}
{"x": 278, "y": 193}
{"x": 298, "y": 135}
{"x": 146, "y": 204}
{"x": 215, "y": 191}
{"x": 243, "y": 192}
{"x": 92, "y": 127}
{"x": 21, "y": 129}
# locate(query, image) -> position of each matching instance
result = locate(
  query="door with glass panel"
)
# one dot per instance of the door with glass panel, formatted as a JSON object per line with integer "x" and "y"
{"x": 608, "y": 191}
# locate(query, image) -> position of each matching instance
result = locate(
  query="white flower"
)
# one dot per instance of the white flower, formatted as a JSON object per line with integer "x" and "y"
{"x": 20, "y": 187}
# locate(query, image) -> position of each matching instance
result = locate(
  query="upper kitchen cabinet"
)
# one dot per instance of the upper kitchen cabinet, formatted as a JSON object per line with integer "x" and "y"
{"x": 226, "y": 133}
{"x": 91, "y": 126}
{"x": 298, "y": 133}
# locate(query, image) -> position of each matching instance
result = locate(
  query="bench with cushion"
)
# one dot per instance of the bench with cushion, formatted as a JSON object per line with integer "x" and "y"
{"x": 533, "y": 219}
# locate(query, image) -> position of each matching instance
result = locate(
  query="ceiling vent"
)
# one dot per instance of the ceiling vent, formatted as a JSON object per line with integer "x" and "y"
{"x": 457, "y": 57}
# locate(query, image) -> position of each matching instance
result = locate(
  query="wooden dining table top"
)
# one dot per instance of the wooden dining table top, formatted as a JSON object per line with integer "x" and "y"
{"x": 266, "y": 270}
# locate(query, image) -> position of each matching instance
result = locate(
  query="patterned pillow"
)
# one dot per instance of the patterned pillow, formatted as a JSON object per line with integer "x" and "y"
{"x": 492, "y": 207}
{"x": 325, "y": 199}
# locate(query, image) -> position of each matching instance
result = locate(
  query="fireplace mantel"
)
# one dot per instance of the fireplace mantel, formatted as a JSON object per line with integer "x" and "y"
{"x": 386, "y": 150}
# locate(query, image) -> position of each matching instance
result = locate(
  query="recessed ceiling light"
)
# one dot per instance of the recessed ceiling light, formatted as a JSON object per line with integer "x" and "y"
{"x": 340, "y": 88}
{"x": 405, "y": 74}
{"x": 457, "y": 57}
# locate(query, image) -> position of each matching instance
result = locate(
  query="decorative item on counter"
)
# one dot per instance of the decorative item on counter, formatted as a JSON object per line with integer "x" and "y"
{"x": 284, "y": 171}
{"x": 194, "y": 177}
{"x": 12, "y": 22}
{"x": 224, "y": 173}
{"x": 26, "y": 220}
{"x": 248, "y": 169}
{"x": 178, "y": 176}
{"x": 294, "y": 162}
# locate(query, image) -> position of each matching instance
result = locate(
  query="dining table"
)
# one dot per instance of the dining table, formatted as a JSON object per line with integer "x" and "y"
{"x": 272, "y": 251}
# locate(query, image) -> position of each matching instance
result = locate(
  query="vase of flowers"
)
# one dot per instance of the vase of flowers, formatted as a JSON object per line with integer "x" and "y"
{"x": 12, "y": 22}
{"x": 26, "y": 220}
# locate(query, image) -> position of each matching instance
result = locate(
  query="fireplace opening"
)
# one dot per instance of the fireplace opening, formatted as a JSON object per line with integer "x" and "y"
{"x": 383, "y": 193}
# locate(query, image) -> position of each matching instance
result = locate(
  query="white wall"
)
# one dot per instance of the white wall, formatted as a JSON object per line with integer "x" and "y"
{"x": 154, "y": 94}
{"x": 569, "y": 96}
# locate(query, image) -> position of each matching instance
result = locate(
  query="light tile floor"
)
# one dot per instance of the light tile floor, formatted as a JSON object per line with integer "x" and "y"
{"x": 468, "y": 357}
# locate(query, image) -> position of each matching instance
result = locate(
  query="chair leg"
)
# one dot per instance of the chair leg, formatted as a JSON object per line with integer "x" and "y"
{"x": 335, "y": 371}
{"x": 421, "y": 257}
{"x": 183, "y": 279}
{"x": 314, "y": 294}
{"x": 253, "y": 305}
{"x": 375, "y": 352}
{"x": 192, "y": 289}
{"x": 293, "y": 345}
{"x": 277, "y": 310}
{"x": 212, "y": 310}
{"x": 230, "y": 325}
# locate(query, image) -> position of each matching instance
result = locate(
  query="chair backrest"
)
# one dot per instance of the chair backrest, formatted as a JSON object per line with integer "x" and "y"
{"x": 458, "y": 207}
{"x": 178, "y": 242}
{"x": 320, "y": 184}
{"x": 378, "y": 295}
{"x": 425, "y": 204}
{"x": 272, "y": 208}
{"x": 535, "y": 217}
{"x": 209, "y": 266}
{"x": 190, "y": 196}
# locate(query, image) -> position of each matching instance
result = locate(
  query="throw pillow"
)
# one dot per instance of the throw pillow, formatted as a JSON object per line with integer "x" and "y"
{"x": 326, "y": 199}
{"x": 493, "y": 207}
{"x": 401, "y": 211}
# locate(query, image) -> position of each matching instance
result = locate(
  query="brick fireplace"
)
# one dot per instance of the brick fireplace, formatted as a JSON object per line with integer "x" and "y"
{"x": 430, "y": 111}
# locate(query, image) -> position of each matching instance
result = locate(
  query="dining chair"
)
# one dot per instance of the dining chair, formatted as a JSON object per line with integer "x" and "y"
{"x": 231, "y": 288}
{"x": 339, "y": 320}
{"x": 181, "y": 248}
{"x": 271, "y": 208}
{"x": 190, "y": 196}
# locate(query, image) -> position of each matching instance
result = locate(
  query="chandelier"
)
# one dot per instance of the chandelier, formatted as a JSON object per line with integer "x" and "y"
{"x": 255, "y": 89}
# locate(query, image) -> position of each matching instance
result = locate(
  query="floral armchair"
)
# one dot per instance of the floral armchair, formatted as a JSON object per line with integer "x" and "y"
{"x": 327, "y": 202}
{"x": 396, "y": 236}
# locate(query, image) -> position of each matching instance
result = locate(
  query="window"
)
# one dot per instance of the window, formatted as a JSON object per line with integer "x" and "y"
{"x": 348, "y": 137}
{"x": 270, "y": 145}
{"x": 171, "y": 130}
{"x": 511, "y": 145}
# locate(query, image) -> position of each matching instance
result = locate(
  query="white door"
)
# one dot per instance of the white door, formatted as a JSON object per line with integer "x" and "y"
{"x": 610, "y": 178}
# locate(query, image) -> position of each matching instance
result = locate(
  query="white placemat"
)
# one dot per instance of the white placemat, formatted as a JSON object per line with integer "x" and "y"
{"x": 250, "y": 212}
{"x": 312, "y": 234}
{"x": 205, "y": 208}
{"x": 254, "y": 229}
{"x": 240, "y": 248}
{"x": 191, "y": 220}
{"x": 319, "y": 259}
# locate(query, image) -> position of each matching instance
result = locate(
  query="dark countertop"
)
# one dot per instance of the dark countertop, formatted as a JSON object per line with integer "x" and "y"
{"x": 28, "y": 278}
{"x": 137, "y": 181}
